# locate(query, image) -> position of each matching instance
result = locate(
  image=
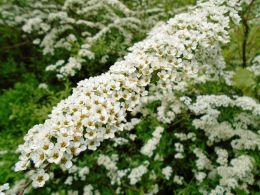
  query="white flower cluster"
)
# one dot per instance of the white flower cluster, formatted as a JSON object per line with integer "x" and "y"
{"x": 183, "y": 137}
{"x": 88, "y": 190}
{"x": 76, "y": 174}
{"x": 73, "y": 26}
{"x": 99, "y": 106}
{"x": 178, "y": 179}
{"x": 216, "y": 131}
{"x": 242, "y": 133}
{"x": 169, "y": 108}
{"x": 4, "y": 188}
{"x": 137, "y": 173}
{"x": 151, "y": 144}
{"x": 110, "y": 164}
{"x": 222, "y": 156}
{"x": 179, "y": 148}
{"x": 202, "y": 162}
{"x": 154, "y": 190}
{"x": 238, "y": 174}
{"x": 167, "y": 172}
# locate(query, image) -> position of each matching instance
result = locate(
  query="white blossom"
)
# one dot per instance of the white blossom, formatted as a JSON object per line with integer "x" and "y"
{"x": 151, "y": 144}
{"x": 167, "y": 172}
{"x": 137, "y": 172}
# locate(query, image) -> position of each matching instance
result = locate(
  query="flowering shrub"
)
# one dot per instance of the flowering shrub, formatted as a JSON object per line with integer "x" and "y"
{"x": 70, "y": 27}
{"x": 162, "y": 132}
{"x": 78, "y": 32}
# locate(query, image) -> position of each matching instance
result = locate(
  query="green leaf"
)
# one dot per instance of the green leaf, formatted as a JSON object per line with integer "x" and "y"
{"x": 245, "y": 81}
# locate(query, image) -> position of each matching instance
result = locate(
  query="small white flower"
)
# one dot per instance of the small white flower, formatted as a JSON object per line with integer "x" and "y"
{"x": 21, "y": 165}
{"x": 66, "y": 162}
{"x": 55, "y": 156}
{"x": 63, "y": 143}
{"x": 38, "y": 157}
{"x": 93, "y": 144}
{"x": 40, "y": 178}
